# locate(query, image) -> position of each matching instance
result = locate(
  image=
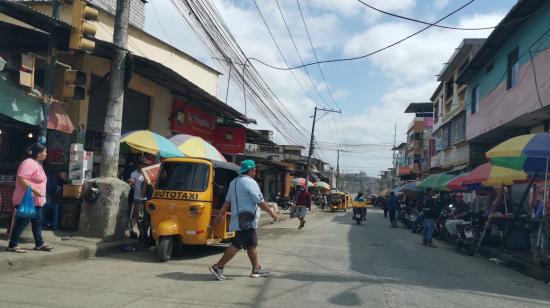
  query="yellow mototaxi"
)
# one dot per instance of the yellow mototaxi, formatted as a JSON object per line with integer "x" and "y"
{"x": 337, "y": 201}
{"x": 188, "y": 196}
{"x": 348, "y": 200}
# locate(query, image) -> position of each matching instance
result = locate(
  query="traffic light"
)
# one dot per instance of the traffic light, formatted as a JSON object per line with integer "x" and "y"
{"x": 82, "y": 16}
{"x": 74, "y": 85}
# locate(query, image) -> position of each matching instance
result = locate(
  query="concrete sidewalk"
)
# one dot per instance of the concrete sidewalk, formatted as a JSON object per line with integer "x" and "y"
{"x": 69, "y": 247}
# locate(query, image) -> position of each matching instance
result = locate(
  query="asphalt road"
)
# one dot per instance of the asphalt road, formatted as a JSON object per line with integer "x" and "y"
{"x": 330, "y": 263}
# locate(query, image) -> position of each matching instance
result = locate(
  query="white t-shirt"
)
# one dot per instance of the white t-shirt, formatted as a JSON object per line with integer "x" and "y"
{"x": 138, "y": 179}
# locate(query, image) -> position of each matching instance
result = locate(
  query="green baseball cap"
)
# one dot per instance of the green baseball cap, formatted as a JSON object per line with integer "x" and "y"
{"x": 247, "y": 165}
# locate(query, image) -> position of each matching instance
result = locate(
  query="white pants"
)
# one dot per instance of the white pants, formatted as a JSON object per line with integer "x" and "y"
{"x": 450, "y": 225}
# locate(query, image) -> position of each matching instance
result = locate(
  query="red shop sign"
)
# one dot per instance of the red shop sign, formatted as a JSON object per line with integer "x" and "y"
{"x": 191, "y": 120}
{"x": 230, "y": 139}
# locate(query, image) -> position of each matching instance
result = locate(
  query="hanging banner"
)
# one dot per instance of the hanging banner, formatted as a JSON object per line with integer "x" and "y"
{"x": 431, "y": 147}
{"x": 230, "y": 139}
{"x": 191, "y": 120}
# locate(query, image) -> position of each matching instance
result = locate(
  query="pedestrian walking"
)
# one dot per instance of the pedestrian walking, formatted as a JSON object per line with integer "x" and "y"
{"x": 243, "y": 198}
{"x": 430, "y": 214}
{"x": 303, "y": 204}
{"x": 393, "y": 207}
{"x": 384, "y": 205}
{"x": 30, "y": 174}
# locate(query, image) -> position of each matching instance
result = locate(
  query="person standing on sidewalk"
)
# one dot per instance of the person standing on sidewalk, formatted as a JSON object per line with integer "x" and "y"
{"x": 137, "y": 211}
{"x": 30, "y": 174}
{"x": 393, "y": 206}
{"x": 243, "y": 195}
{"x": 303, "y": 203}
{"x": 430, "y": 214}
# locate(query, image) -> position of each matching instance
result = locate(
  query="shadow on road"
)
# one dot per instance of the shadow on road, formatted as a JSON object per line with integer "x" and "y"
{"x": 150, "y": 255}
{"x": 396, "y": 256}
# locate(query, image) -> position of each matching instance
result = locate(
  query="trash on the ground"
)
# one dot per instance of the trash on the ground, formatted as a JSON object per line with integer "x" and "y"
{"x": 496, "y": 260}
{"x": 66, "y": 238}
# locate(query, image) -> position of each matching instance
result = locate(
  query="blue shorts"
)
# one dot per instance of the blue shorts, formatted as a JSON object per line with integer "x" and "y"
{"x": 301, "y": 212}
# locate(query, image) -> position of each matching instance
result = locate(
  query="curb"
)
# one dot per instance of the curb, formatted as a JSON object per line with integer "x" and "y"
{"x": 63, "y": 253}
{"x": 517, "y": 264}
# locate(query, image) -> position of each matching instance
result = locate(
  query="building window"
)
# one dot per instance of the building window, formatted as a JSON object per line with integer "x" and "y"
{"x": 449, "y": 88}
{"x": 475, "y": 99}
{"x": 513, "y": 68}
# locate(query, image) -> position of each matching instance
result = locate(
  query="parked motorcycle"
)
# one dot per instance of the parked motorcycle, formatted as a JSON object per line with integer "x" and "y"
{"x": 439, "y": 229}
{"x": 283, "y": 202}
{"x": 417, "y": 222}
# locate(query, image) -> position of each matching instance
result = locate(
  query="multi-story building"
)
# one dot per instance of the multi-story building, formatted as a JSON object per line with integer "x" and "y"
{"x": 452, "y": 152}
{"x": 508, "y": 79}
{"x": 418, "y": 134}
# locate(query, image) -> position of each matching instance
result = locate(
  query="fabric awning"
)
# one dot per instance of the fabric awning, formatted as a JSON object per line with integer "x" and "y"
{"x": 58, "y": 119}
{"x": 16, "y": 104}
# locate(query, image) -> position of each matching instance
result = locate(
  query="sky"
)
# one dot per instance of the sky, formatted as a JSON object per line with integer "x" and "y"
{"x": 372, "y": 93}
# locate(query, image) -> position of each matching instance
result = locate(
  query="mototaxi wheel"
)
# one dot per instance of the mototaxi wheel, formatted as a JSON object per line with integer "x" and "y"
{"x": 165, "y": 248}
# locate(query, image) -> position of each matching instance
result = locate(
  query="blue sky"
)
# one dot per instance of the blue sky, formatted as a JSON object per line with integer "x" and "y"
{"x": 372, "y": 92}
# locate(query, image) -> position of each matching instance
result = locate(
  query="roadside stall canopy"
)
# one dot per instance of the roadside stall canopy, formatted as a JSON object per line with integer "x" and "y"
{"x": 489, "y": 175}
{"x": 16, "y": 104}
{"x": 456, "y": 183}
{"x": 150, "y": 142}
{"x": 437, "y": 182}
{"x": 411, "y": 186}
{"x": 194, "y": 146}
{"x": 58, "y": 119}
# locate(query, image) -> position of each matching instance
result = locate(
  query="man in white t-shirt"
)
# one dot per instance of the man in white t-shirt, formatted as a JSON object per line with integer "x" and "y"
{"x": 137, "y": 181}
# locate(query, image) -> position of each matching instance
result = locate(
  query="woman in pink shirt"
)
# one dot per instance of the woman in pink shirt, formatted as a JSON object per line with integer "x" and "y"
{"x": 30, "y": 174}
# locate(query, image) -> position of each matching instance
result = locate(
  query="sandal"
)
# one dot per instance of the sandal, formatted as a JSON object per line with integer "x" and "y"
{"x": 16, "y": 249}
{"x": 43, "y": 248}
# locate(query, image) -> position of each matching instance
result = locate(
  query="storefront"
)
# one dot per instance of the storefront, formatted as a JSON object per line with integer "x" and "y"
{"x": 187, "y": 118}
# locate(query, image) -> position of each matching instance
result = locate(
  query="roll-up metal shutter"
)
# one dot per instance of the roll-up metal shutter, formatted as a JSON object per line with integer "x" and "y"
{"x": 135, "y": 113}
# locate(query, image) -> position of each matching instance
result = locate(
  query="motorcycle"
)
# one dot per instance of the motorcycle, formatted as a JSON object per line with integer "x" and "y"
{"x": 439, "y": 229}
{"x": 467, "y": 237}
{"x": 417, "y": 222}
{"x": 359, "y": 214}
{"x": 283, "y": 202}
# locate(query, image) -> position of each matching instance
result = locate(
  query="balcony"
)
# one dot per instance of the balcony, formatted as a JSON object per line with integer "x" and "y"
{"x": 416, "y": 169}
{"x": 417, "y": 125}
{"x": 415, "y": 147}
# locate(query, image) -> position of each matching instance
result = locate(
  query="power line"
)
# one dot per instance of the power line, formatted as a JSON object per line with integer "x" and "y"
{"x": 434, "y": 25}
{"x": 370, "y": 53}
{"x": 160, "y": 24}
{"x": 321, "y": 70}
{"x": 212, "y": 30}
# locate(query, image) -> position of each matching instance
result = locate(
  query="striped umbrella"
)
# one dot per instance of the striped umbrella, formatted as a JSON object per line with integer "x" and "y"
{"x": 193, "y": 146}
{"x": 301, "y": 182}
{"x": 149, "y": 142}
{"x": 322, "y": 185}
{"x": 489, "y": 175}
{"x": 530, "y": 153}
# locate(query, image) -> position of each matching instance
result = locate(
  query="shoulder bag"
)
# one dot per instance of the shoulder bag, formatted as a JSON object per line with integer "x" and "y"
{"x": 246, "y": 217}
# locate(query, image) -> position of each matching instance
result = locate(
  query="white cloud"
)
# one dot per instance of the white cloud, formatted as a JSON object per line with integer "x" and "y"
{"x": 441, "y": 3}
{"x": 421, "y": 56}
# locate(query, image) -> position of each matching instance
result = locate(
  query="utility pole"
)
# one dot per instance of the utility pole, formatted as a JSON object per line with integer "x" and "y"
{"x": 394, "y": 175}
{"x": 338, "y": 169}
{"x": 312, "y": 138}
{"x": 50, "y": 74}
{"x": 113, "y": 119}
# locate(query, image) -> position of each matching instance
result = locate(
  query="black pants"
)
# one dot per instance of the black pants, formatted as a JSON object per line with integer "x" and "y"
{"x": 385, "y": 212}
{"x": 392, "y": 218}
